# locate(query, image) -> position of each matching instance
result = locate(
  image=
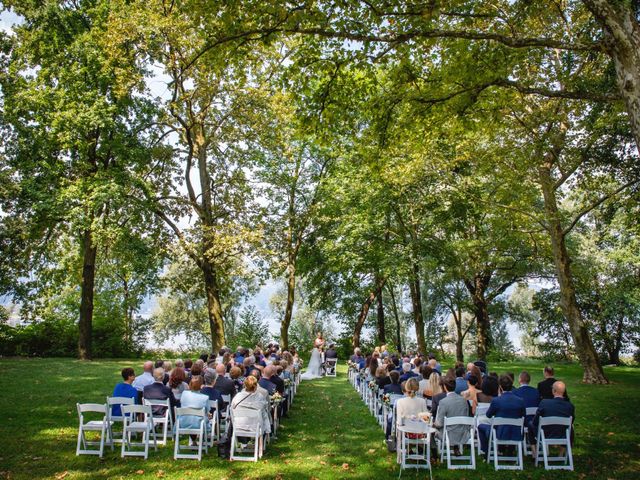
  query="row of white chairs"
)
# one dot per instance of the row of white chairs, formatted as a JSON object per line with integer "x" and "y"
{"x": 373, "y": 398}
{"x": 212, "y": 427}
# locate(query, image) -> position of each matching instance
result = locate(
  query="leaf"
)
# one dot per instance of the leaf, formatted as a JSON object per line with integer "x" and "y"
{"x": 60, "y": 476}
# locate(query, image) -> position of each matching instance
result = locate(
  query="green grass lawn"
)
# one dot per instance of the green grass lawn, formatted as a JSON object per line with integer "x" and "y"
{"x": 330, "y": 433}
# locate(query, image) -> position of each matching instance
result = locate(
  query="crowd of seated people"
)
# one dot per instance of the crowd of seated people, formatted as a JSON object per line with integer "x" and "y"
{"x": 460, "y": 390}
{"x": 227, "y": 374}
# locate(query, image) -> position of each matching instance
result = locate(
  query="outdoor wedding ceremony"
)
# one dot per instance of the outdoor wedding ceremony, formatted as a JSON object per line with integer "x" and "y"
{"x": 331, "y": 239}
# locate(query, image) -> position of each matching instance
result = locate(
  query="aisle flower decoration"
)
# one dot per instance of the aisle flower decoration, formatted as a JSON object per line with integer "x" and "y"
{"x": 276, "y": 398}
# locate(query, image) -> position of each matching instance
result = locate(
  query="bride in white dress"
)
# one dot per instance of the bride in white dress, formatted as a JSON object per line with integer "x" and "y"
{"x": 314, "y": 369}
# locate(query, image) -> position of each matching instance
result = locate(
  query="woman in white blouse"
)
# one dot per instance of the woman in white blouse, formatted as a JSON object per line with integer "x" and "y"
{"x": 410, "y": 405}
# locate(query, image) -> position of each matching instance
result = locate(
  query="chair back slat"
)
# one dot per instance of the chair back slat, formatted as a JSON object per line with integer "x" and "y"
{"x": 451, "y": 421}
{"x": 196, "y": 412}
{"x": 564, "y": 421}
{"x": 120, "y": 401}
{"x": 516, "y": 422}
{"x": 92, "y": 407}
{"x": 145, "y": 409}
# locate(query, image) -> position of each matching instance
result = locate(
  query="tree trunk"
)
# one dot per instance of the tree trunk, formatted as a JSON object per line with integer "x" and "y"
{"x": 214, "y": 308}
{"x": 364, "y": 311}
{"x": 397, "y": 318}
{"x": 477, "y": 288}
{"x": 585, "y": 350}
{"x": 416, "y": 303}
{"x": 286, "y": 321}
{"x": 89, "y": 252}
{"x": 459, "y": 339}
{"x": 622, "y": 39}
{"x": 382, "y": 337}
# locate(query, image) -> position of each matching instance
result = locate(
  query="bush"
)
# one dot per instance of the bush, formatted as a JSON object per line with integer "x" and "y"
{"x": 636, "y": 356}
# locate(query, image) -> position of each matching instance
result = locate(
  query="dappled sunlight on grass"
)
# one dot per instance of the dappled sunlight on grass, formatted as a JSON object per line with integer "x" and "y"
{"x": 329, "y": 435}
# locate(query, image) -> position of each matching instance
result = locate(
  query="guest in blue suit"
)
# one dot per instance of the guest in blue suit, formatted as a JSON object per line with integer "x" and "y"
{"x": 393, "y": 387}
{"x": 461, "y": 382}
{"x": 507, "y": 405}
{"x": 558, "y": 406}
{"x": 125, "y": 389}
{"x": 529, "y": 394}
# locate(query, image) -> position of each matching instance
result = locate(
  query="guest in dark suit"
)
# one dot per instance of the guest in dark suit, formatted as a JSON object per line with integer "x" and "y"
{"x": 461, "y": 382}
{"x": 407, "y": 372}
{"x": 506, "y": 405}
{"x": 393, "y": 387}
{"x": 265, "y": 382}
{"x": 545, "y": 387}
{"x": 223, "y": 384}
{"x": 558, "y": 406}
{"x": 527, "y": 393}
{"x": 159, "y": 391}
{"x": 331, "y": 352}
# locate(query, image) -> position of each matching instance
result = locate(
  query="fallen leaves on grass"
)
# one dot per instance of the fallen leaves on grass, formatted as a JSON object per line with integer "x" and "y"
{"x": 345, "y": 466}
{"x": 60, "y": 476}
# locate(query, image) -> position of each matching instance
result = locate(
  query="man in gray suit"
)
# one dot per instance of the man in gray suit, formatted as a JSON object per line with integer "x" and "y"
{"x": 453, "y": 405}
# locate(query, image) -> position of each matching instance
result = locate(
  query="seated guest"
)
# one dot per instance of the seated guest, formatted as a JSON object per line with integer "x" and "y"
{"x": 452, "y": 405}
{"x": 166, "y": 365}
{"x": 193, "y": 398}
{"x": 435, "y": 399}
{"x": 262, "y": 391}
{"x": 373, "y": 367}
{"x": 425, "y": 371}
{"x": 177, "y": 383}
{"x": 558, "y": 406}
{"x": 266, "y": 380}
{"x": 382, "y": 379}
{"x": 250, "y": 399}
{"x": 411, "y": 404}
{"x": 236, "y": 374}
{"x": 407, "y": 373}
{"x": 196, "y": 368}
{"x": 187, "y": 369}
{"x": 331, "y": 353}
{"x": 506, "y": 405}
{"x": 207, "y": 389}
{"x": 529, "y": 394}
{"x": 434, "y": 364}
{"x": 461, "y": 382}
{"x": 474, "y": 370}
{"x": 407, "y": 406}
{"x": 159, "y": 391}
{"x": 545, "y": 386}
{"x": 124, "y": 389}
{"x": 393, "y": 387}
{"x": 434, "y": 386}
{"x": 146, "y": 378}
{"x": 223, "y": 384}
{"x": 489, "y": 390}
{"x": 471, "y": 393}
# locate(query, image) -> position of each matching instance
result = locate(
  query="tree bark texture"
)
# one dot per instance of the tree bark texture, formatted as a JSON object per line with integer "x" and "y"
{"x": 394, "y": 306}
{"x": 288, "y": 313}
{"x": 416, "y": 303}
{"x": 585, "y": 350}
{"x": 364, "y": 311}
{"x": 477, "y": 288}
{"x": 214, "y": 307}
{"x": 89, "y": 253}
{"x": 382, "y": 337}
{"x": 622, "y": 39}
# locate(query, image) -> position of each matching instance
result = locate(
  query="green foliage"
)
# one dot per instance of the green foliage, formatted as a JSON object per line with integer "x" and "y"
{"x": 250, "y": 330}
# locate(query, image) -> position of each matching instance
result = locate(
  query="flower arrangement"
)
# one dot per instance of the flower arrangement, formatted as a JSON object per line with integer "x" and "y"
{"x": 372, "y": 385}
{"x": 276, "y": 398}
{"x": 287, "y": 382}
{"x": 386, "y": 399}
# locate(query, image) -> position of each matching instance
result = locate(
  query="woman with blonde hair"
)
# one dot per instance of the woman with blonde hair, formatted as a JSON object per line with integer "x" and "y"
{"x": 433, "y": 387}
{"x": 411, "y": 404}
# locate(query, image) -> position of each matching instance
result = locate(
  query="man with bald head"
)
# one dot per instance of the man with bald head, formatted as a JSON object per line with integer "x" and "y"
{"x": 265, "y": 382}
{"x": 558, "y": 406}
{"x": 146, "y": 378}
{"x": 223, "y": 384}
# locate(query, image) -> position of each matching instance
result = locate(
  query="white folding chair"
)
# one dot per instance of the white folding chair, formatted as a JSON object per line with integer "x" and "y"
{"x": 102, "y": 425}
{"x": 164, "y": 420}
{"x": 213, "y": 432}
{"x": 247, "y": 425}
{"x": 133, "y": 425}
{"x": 455, "y": 421}
{"x": 331, "y": 367}
{"x": 530, "y": 412}
{"x": 200, "y": 416}
{"x": 494, "y": 443}
{"x": 480, "y": 418}
{"x": 111, "y": 402}
{"x": 413, "y": 440}
{"x": 225, "y": 416}
{"x": 543, "y": 444}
